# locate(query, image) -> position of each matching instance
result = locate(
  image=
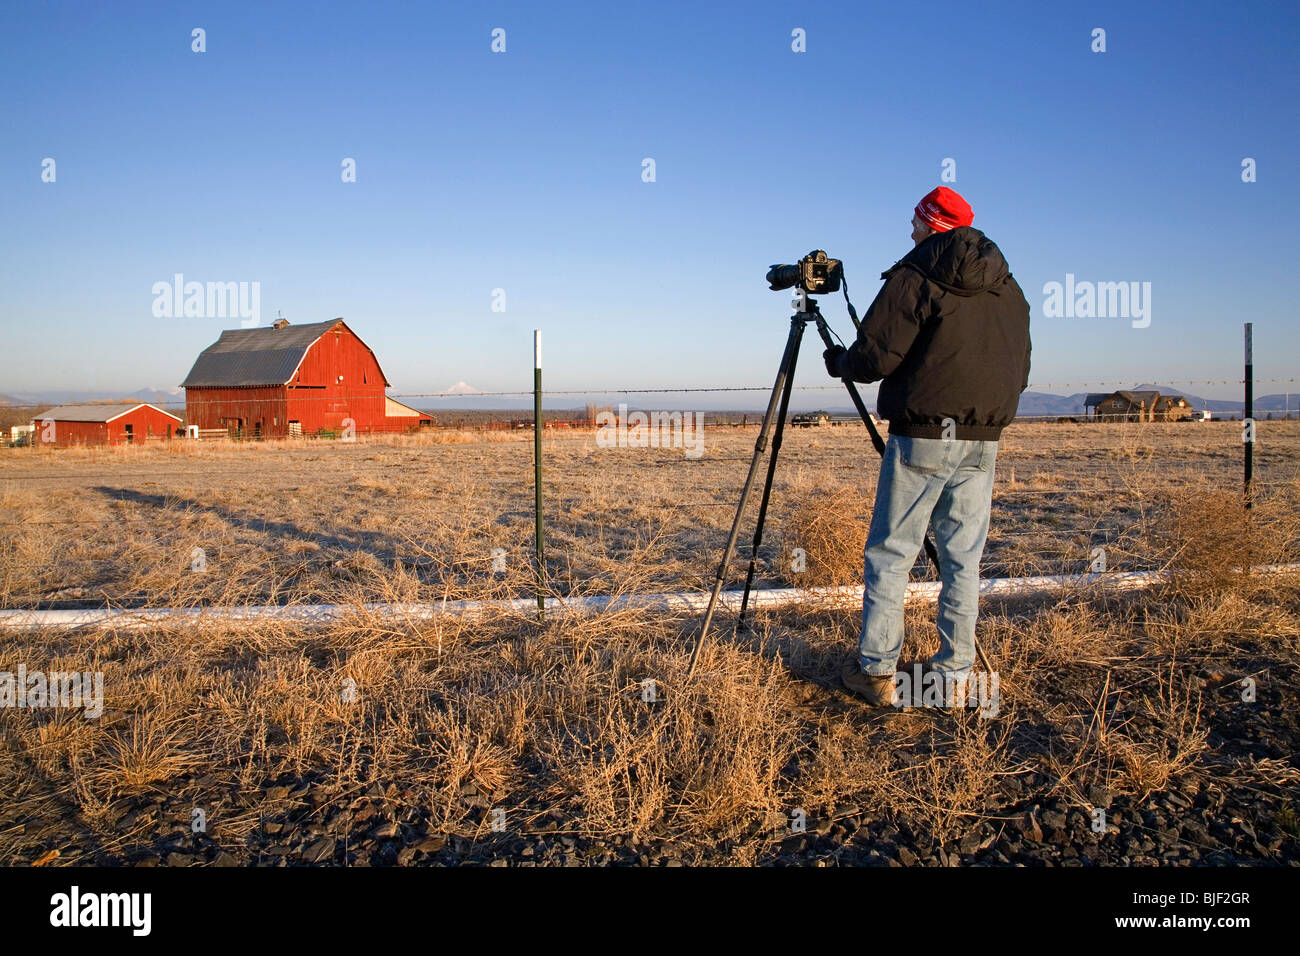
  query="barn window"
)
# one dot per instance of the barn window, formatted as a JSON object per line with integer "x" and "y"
{"x": 365, "y": 379}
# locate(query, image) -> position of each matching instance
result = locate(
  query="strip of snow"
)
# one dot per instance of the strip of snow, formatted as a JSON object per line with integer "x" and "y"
{"x": 848, "y": 596}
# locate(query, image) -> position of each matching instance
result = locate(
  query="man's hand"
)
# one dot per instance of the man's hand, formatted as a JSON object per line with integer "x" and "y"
{"x": 834, "y": 360}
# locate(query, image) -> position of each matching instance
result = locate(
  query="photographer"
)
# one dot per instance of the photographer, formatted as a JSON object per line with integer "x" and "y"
{"x": 948, "y": 334}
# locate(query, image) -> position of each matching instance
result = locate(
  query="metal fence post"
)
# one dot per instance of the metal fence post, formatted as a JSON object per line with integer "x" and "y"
{"x": 1248, "y": 423}
{"x": 537, "y": 472}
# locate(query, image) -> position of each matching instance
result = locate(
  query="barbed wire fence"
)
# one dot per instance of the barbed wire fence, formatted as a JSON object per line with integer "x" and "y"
{"x": 574, "y": 392}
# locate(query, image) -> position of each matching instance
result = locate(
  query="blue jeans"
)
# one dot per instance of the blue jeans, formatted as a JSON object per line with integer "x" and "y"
{"x": 927, "y": 482}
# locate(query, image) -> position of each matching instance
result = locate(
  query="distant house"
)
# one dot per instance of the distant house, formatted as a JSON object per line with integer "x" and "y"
{"x": 1172, "y": 408}
{"x": 1093, "y": 399}
{"x": 104, "y": 423}
{"x": 293, "y": 380}
{"x": 1137, "y": 406}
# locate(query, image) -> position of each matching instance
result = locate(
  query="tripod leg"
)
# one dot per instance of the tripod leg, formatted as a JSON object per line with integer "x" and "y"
{"x": 824, "y": 331}
{"x": 778, "y": 389}
{"x": 767, "y": 486}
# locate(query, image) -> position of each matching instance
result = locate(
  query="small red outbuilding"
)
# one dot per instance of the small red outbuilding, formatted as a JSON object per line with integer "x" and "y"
{"x": 104, "y": 423}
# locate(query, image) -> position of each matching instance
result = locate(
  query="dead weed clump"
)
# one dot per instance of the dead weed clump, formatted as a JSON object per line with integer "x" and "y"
{"x": 1212, "y": 542}
{"x": 651, "y": 749}
{"x": 827, "y": 524}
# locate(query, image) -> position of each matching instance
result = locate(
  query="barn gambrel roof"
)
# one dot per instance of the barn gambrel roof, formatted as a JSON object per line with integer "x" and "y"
{"x": 264, "y": 356}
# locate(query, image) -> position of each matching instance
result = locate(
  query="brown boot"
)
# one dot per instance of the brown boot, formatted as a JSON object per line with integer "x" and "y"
{"x": 929, "y": 688}
{"x": 911, "y": 682}
{"x": 876, "y": 691}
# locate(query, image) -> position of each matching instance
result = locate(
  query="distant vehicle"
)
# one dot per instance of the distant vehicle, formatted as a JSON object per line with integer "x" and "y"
{"x": 811, "y": 419}
{"x": 851, "y": 420}
{"x": 1203, "y": 417}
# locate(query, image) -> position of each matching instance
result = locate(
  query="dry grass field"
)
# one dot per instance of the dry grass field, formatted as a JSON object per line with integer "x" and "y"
{"x": 502, "y": 739}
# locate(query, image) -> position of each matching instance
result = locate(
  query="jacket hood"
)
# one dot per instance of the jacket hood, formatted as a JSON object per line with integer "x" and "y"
{"x": 961, "y": 260}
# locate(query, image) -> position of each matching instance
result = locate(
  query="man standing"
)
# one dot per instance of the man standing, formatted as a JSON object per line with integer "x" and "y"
{"x": 948, "y": 334}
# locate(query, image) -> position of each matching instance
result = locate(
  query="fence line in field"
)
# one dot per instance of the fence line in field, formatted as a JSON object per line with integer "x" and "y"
{"x": 469, "y": 419}
{"x": 654, "y": 390}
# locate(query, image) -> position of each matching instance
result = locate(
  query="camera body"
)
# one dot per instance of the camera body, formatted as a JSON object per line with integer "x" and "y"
{"x": 814, "y": 273}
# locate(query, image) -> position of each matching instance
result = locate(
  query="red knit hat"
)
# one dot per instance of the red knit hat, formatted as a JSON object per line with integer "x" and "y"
{"x": 943, "y": 209}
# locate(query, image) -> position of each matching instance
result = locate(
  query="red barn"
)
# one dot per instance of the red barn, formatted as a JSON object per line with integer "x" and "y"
{"x": 104, "y": 423}
{"x": 291, "y": 380}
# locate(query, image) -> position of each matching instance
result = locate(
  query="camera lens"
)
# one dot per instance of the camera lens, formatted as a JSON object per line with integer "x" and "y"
{"x": 782, "y": 277}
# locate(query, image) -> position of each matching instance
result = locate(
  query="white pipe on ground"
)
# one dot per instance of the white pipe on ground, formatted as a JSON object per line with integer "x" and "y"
{"x": 846, "y": 596}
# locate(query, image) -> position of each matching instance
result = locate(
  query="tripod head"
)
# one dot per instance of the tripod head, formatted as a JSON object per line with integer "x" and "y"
{"x": 804, "y": 303}
{"x": 807, "y": 310}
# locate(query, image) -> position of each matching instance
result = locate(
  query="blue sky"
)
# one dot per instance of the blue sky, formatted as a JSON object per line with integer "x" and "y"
{"x": 522, "y": 171}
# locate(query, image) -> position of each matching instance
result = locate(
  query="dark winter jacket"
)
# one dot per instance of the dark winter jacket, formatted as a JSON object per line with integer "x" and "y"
{"x": 949, "y": 335}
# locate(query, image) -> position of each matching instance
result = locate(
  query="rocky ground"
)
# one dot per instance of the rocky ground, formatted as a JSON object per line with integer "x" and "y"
{"x": 1191, "y": 825}
{"x": 1237, "y": 806}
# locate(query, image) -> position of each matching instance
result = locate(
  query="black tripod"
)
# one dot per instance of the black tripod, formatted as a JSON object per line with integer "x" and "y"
{"x": 777, "y": 406}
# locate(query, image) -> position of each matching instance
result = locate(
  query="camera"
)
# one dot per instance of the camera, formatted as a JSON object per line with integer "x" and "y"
{"x": 814, "y": 273}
